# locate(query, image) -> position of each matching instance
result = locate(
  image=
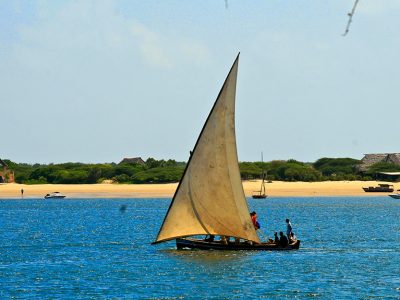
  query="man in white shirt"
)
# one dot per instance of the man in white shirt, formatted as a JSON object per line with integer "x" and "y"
{"x": 288, "y": 228}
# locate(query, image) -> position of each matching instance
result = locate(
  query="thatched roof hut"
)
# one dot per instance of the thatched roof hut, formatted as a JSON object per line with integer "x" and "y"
{"x": 133, "y": 160}
{"x": 370, "y": 159}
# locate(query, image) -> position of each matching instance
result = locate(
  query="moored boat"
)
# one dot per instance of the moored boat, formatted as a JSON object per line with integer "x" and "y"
{"x": 55, "y": 195}
{"x": 259, "y": 196}
{"x": 261, "y": 193}
{"x": 395, "y": 196}
{"x": 209, "y": 199}
{"x": 381, "y": 188}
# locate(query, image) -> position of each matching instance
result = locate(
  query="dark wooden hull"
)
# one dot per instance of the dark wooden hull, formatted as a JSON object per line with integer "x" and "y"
{"x": 217, "y": 245}
{"x": 378, "y": 190}
{"x": 259, "y": 196}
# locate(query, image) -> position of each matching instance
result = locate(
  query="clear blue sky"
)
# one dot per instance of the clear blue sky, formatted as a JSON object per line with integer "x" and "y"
{"x": 96, "y": 81}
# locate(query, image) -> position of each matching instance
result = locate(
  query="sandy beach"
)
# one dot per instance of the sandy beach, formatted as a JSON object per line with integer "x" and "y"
{"x": 274, "y": 189}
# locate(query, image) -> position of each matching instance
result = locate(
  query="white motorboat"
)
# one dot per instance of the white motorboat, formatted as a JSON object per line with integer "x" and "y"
{"x": 395, "y": 196}
{"x": 55, "y": 195}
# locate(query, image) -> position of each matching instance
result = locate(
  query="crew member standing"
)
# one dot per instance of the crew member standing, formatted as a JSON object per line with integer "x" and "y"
{"x": 288, "y": 228}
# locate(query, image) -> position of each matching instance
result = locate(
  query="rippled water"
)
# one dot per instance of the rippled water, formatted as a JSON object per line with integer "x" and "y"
{"x": 87, "y": 248}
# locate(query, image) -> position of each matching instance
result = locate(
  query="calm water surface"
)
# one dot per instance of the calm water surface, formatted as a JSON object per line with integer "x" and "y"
{"x": 88, "y": 249}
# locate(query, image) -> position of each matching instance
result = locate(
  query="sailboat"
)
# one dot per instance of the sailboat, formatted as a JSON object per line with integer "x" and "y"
{"x": 261, "y": 193}
{"x": 209, "y": 200}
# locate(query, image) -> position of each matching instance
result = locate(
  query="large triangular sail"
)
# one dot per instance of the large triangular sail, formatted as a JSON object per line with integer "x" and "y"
{"x": 210, "y": 197}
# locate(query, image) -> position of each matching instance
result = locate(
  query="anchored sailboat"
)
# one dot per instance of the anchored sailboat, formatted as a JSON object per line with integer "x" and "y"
{"x": 261, "y": 193}
{"x": 209, "y": 199}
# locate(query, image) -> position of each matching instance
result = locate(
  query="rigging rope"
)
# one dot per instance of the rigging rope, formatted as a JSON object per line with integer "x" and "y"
{"x": 350, "y": 14}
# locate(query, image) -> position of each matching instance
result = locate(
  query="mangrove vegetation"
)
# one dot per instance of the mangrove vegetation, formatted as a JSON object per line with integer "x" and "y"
{"x": 167, "y": 171}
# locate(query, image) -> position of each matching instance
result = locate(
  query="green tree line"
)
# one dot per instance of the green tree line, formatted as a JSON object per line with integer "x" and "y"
{"x": 166, "y": 171}
{"x": 153, "y": 171}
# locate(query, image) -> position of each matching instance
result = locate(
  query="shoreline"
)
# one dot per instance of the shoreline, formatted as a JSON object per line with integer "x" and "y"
{"x": 274, "y": 189}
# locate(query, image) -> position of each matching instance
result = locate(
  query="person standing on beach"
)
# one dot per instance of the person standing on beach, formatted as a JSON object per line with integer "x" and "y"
{"x": 22, "y": 193}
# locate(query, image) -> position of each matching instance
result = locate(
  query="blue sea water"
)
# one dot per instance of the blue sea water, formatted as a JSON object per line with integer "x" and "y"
{"x": 89, "y": 249}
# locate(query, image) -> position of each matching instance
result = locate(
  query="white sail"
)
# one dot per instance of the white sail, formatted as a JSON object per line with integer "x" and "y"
{"x": 210, "y": 197}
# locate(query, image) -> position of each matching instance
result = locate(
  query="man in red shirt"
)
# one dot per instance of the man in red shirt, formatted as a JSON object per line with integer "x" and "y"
{"x": 253, "y": 216}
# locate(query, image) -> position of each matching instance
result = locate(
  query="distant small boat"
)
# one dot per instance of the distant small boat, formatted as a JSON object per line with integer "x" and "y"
{"x": 395, "y": 196}
{"x": 261, "y": 193}
{"x": 55, "y": 195}
{"x": 381, "y": 188}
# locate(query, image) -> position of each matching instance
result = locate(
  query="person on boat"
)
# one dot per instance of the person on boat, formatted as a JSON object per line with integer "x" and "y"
{"x": 253, "y": 216}
{"x": 288, "y": 228}
{"x": 209, "y": 238}
{"x": 224, "y": 239}
{"x": 276, "y": 240}
{"x": 292, "y": 238}
{"x": 283, "y": 240}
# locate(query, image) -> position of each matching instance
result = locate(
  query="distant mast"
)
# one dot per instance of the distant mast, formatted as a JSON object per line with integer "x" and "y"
{"x": 261, "y": 193}
{"x": 263, "y": 175}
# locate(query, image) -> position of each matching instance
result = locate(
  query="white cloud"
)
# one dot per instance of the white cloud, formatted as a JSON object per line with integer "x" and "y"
{"x": 87, "y": 61}
{"x": 71, "y": 30}
{"x": 152, "y": 48}
{"x": 195, "y": 52}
